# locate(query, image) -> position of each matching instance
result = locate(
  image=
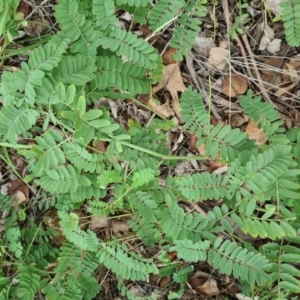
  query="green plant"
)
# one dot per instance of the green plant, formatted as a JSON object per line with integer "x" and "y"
{"x": 240, "y": 20}
{"x": 49, "y": 100}
{"x": 290, "y": 14}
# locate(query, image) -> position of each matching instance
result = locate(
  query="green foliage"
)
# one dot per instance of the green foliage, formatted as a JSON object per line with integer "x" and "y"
{"x": 241, "y": 19}
{"x": 290, "y": 16}
{"x": 51, "y": 99}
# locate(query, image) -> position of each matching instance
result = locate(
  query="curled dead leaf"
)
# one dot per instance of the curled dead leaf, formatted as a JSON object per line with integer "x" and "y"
{"x": 234, "y": 85}
{"x": 202, "y": 283}
{"x": 237, "y": 120}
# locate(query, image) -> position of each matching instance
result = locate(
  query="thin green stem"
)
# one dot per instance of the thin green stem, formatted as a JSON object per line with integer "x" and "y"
{"x": 15, "y": 146}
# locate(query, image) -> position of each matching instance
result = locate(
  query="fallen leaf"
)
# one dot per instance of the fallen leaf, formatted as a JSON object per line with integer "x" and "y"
{"x": 234, "y": 85}
{"x": 119, "y": 228}
{"x": 267, "y": 37}
{"x": 203, "y": 45}
{"x": 172, "y": 80}
{"x": 99, "y": 147}
{"x": 274, "y": 6}
{"x": 274, "y": 46}
{"x": 168, "y": 56}
{"x": 164, "y": 281}
{"x": 218, "y": 58}
{"x": 202, "y": 283}
{"x": 23, "y": 9}
{"x": 37, "y": 27}
{"x": 272, "y": 65}
{"x": 237, "y": 120}
{"x": 294, "y": 79}
{"x": 19, "y": 191}
{"x": 164, "y": 109}
{"x": 256, "y": 133}
{"x": 192, "y": 142}
{"x": 98, "y": 222}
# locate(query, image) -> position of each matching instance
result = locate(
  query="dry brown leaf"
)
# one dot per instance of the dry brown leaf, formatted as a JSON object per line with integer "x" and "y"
{"x": 237, "y": 120}
{"x": 99, "y": 147}
{"x": 294, "y": 78}
{"x": 202, "y": 283}
{"x": 256, "y": 133}
{"x": 119, "y": 227}
{"x": 168, "y": 56}
{"x": 164, "y": 109}
{"x": 98, "y": 222}
{"x": 203, "y": 45}
{"x": 23, "y": 9}
{"x": 192, "y": 142}
{"x": 19, "y": 191}
{"x": 271, "y": 82}
{"x": 164, "y": 281}
{"x": 272, "y": 65}
{"x": 218, "y": 58}
{"x": 173, "y": 82}
{"x": 268, "y": 36}
{"x": 37, "y": 27}
{"x": 234, "y": 85}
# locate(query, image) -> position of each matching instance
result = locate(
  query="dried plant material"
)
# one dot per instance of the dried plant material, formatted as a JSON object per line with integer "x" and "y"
{"x": 202, "y": 283}
{"x": 164, "y": 109}
{"x": 294, "y": 79}
{"x": 173, "y": 82}
{"x": 274, "y": 46}
{"x": 37, "y": 27}
{"x": 183, "y": 167}
{"x": 18, "y": 198}
{"x": 271, "y": 83}
{"x": 156, "y": 40}
{"x": 119, "y": 228}
{"x": 134, "y": 290}
{"x": 192, "y": 142}
{"x": 99, "y": 147}
{"x": 234, "y": 85}
{"x": 295, "y": 63}
{"x": 203, "y": 45}
{"x": 223, "y": 44}
{"x": 243, "y": 297}
{"x": 272, "y": 65}
{"x": 19, "y": 191}
{"x": 23, "y": 9}
{"x": 164, "y": 281}
{"x": 274, "y": 6}
{"x": 267, "y": 37}
{"x": 51, "y": 220}
{"x": 256, "y": 133}
{"x": 218, "y": 58}
{"x": 236, "y": 120}
{"x": 290, "y": 74}
{"x": 168, "y": 56}
{"x": 175, "y": 138}
{"x": 98, "y": 222}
